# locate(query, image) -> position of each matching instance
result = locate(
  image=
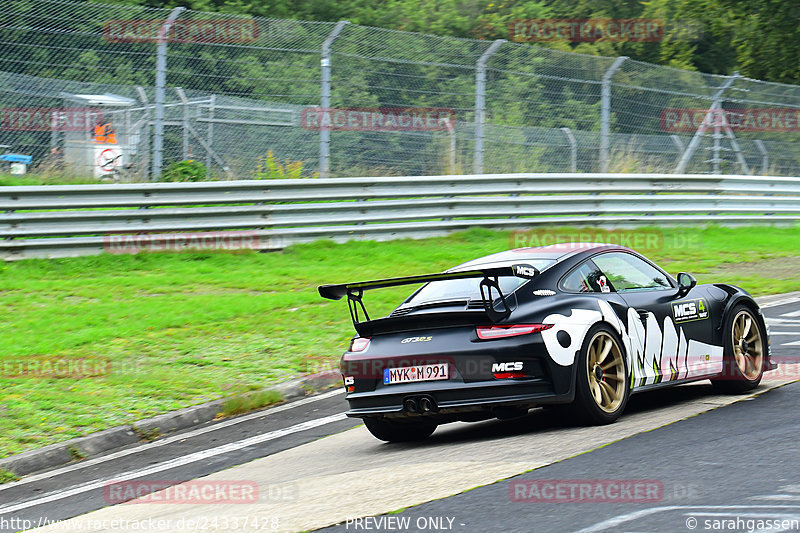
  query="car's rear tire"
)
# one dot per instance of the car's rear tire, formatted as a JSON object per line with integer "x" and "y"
{"x": 404, "y": 430}
{"x": 745, "y": 349}
{"x": 602, "y": 383}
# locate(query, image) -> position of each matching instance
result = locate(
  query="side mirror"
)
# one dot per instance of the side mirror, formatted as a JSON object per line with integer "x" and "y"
{"x": 686, "y": 282}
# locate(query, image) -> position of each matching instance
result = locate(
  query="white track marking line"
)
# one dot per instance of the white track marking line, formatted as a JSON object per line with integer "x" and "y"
{"x": 169, "y": 440}
{"x": 173, "y": 463}
{"x": 776, "y": 303}
{"x": 771, "y": 333}
{"x": 792, "y": 314}
{"x": 783, "y": 321}
{"x": 793, "y": 343}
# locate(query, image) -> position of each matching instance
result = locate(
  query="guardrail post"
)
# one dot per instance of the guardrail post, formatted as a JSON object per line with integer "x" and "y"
{"x": 480, "y": 103}
{"x": 325, "y": 100}
{"x": 161, "y": 81}
{"x": 715, "y": 104}
{"x": 605, "y": 111}
{"x": 573, "y": 149}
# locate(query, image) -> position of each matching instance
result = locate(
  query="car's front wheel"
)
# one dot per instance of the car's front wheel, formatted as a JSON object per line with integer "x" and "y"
{"x": 401, "y": 430}
{"x": 601, "y": 386}
{"x": 744, "y": 351}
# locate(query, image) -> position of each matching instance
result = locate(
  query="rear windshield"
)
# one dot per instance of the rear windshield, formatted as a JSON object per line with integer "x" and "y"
{"x": 469, "y": 289}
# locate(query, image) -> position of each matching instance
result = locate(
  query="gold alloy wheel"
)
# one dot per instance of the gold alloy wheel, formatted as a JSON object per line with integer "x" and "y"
{"x": 748, "y": 349}
{"x": 605, "y": 370}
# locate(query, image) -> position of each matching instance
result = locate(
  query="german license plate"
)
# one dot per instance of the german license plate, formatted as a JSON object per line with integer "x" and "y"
{"x": 411, "y": 374}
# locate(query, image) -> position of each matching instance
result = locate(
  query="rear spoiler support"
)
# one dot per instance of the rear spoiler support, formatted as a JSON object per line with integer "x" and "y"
{"x": 354, "y": 303}
{"x": 486, "y": 286}
{"x": 489, "y": 284}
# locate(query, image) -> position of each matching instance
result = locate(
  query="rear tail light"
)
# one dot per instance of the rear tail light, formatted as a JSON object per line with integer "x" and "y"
{"x": 510, "y": 375}
{"x": 501, "y": 332}
{"x": 359, "y": 344}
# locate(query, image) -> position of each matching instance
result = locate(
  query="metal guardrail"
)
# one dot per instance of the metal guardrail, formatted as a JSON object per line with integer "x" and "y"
{"x": 71, "y": 220}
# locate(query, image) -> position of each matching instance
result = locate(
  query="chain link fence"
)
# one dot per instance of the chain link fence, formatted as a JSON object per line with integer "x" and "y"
{"x": 129, "y": 93}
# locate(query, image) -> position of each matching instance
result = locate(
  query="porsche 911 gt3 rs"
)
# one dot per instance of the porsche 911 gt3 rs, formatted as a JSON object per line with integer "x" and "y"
{"x": 582, "y": 326}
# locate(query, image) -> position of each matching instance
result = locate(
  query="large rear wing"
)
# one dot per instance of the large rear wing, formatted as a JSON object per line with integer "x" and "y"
{"x": 489, "y": 286}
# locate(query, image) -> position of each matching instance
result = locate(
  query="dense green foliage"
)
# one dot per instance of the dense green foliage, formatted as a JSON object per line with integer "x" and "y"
{"x": 760, "y": 38}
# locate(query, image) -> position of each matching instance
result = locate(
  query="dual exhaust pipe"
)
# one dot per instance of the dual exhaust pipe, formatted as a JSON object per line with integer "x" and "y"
{"x": 420, "y": 404}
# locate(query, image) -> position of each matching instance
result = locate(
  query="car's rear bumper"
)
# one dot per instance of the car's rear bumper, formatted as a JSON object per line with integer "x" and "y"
{"x": 452, "y": 398}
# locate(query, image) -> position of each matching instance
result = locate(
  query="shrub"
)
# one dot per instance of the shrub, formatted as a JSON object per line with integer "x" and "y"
{"x": 270, "y": 167}
{"x": 188, "y": 170}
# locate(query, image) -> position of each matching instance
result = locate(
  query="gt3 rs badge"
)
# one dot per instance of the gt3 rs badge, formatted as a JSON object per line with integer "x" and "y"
{"x": 415, "y": 339}
{"x": 688, "y": 310}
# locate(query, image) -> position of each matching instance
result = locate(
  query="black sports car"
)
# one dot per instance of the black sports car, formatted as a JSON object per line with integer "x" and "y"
{"x": 581, "y": 325}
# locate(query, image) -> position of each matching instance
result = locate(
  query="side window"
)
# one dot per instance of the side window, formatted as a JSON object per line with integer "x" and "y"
{"x": 585, "y": 278}
{"x": 627, "y": 272}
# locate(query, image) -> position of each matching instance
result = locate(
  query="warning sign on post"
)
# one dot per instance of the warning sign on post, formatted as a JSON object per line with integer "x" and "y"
{"x": 107, "y": 159}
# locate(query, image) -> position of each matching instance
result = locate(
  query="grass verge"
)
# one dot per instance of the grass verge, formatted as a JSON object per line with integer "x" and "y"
{"x": 90, "y": 343}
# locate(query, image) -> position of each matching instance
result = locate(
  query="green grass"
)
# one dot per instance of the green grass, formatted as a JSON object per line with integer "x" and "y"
{"x": 245, "y": 402}
{"x": 163, "y": 331}
{"x": 48, "y": 178}
{"x": 6, "y": 476}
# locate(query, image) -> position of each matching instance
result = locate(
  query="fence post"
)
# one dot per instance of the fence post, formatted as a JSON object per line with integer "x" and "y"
{"x": 325, "y": 133}
{"x": 144, "y": 167}
{"x": 715, "y": 104}
{"x": 480, "y": 103}
{"x": 210, "y": 131}
{"x": 161, "y": 81}
{"x": 184, "y": 121}
{"x": 573, "y": 149}
{"x": 605, "y": 111}
{"x": 764, "y": 156}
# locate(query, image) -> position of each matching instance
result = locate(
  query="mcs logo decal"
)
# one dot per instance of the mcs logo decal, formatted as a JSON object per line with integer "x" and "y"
{"x": 507, "y": 367}
{"x": 688, "y": 310}
{"x": 525, "y": 271}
